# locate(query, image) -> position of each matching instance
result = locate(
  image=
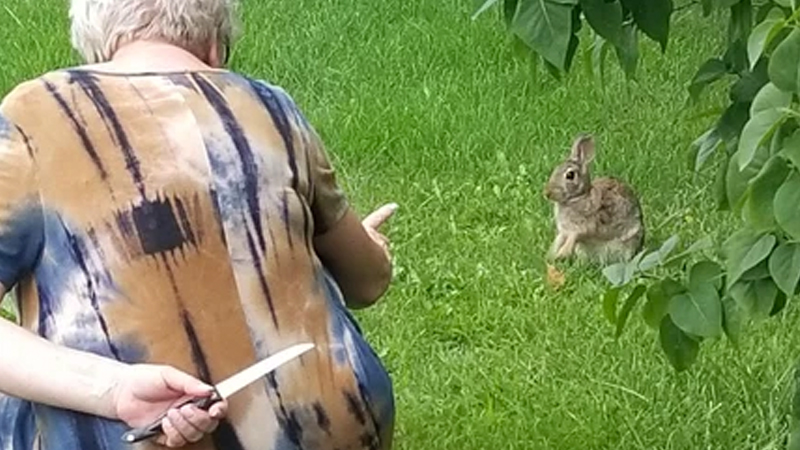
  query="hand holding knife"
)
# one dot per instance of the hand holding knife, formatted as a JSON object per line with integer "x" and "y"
{"x": 224, "y": 389}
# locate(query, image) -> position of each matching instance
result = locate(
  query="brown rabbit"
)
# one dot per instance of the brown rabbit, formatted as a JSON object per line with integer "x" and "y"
{"x": 600, "y": 219}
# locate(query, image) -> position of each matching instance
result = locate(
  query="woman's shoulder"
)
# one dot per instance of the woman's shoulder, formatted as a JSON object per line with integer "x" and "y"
{"x": 31, "y": 91}
{"x": 22, "y": 93}
{"x": 269, "y": 92}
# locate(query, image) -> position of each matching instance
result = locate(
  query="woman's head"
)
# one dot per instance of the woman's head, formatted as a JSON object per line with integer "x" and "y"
{"x": 100, "y": 27}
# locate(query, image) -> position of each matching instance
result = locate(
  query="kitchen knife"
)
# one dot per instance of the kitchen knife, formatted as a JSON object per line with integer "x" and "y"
{"x": 224, "y": 389}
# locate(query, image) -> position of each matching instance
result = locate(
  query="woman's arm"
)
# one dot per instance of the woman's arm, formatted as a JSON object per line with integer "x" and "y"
{"x": 357, "y": 255}
{"x": 40, "y": 371}
{"x": 35, "y": 369}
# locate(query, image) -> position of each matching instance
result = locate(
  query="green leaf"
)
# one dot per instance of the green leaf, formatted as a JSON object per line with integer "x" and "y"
{"x": 735, "y": 56}
{"x": 703, "y": 243}
{"x": 668, "y": 246}
{"x": 706, "y": 145}
{"x": 510, "y": 11}
{"x": 784, "y": 267}
{"x": 770, "y": 97}
{"x": 766, "y": 294}
{"x": 632, "y": 266}
{"x": 756, "y": 298}
{"x": 610, "y": 299}
{"x": 756, "y": 132}
{"x": 650, "y": 261}
{"x": 744, "y": 294}
{"x": 779, "y": 304}
{"x": 749, "y": 83}
{"x": 784, "y": 3}
{"x": 483, "y": 8}
{"x": 652, "y": 17}
{"x": 605, "y": 18}
{"x": 730, "y": 124}
{"x": 744, "y": 250}
{"x": 628, "y": 51}
{"x": 705, "y": 273}
{"x": 616, "y": 274}
{"x": 698, "y": 312}
{"x": 708, "y": 6}
{"x": 776, "y": 143}
{"x": 681, "y": 349}
{"x": 737, "y": 182}
{"x": 740, "y": 24}
{"x": 783, "y": 63}
{"x": 726, "y": 3}
{"x": 709, "y": 72}
{"x": 787, "y": 205}
{"x": 759, "y": 206}
{"x": 657, "y": 304}
{"x": 720, "y": 187}
{"x": 628, "y": 306}
{"x": 732, "y": 319}
{"x": 758, "y": 272}
{"x": 546, "y": 27}
{"x": 791, "y": 149}
{"x": 655, "y": 308}
{"x": 763, "y": 33}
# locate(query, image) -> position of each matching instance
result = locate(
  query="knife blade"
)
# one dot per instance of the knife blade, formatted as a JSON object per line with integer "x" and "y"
{"x": 224, "y": 389}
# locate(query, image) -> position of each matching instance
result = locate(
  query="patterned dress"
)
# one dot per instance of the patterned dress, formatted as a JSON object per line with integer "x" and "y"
{"x": 169, "y": 218}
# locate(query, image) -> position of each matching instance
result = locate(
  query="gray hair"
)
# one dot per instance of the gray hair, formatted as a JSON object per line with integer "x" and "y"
{"x": 100, "y": 27}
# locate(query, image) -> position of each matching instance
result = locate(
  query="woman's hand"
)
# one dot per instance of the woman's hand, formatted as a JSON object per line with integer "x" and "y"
{"x": 358, "y": 256}
{"x": 374, "y": 220}
{"x": 145, "y": 391}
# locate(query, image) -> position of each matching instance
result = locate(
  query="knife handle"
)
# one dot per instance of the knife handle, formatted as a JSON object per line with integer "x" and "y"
{"x": 154, "y": 428}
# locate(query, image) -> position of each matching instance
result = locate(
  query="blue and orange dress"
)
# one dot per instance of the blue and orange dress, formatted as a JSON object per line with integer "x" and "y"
{"x": 169, "y": 218}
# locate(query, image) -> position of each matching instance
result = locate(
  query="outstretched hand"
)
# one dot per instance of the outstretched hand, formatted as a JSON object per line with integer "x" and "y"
{"x": 146, "y": 391}
{"x": 374, "y": 220}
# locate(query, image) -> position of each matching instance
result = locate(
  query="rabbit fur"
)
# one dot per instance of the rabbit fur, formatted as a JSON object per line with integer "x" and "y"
{"x": 601, "y": 219}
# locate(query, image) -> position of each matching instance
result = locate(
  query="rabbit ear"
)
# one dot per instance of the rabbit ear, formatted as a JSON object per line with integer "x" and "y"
{"x": 583, "y": 149}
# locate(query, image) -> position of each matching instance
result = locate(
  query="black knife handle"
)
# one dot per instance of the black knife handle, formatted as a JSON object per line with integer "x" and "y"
{"x": 154, "y": 428}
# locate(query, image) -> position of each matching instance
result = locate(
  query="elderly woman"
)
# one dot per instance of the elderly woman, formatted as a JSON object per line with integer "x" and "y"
{"x": 164, "y": 223}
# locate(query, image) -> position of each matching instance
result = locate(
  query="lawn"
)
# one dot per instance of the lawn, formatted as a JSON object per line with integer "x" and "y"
{"x": 421, "y": 106}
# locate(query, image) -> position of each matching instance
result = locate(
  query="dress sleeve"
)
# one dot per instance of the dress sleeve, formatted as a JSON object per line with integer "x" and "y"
{"x": 328, "y": 200}
{"x": 21, "y": 220}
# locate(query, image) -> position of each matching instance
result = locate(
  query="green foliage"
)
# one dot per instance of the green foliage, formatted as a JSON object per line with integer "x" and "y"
{"x": 7, "y": 310}
{"x": 551, "y": 27}
{"x": 698, "y": 295}
{"x": 694, "y": 296}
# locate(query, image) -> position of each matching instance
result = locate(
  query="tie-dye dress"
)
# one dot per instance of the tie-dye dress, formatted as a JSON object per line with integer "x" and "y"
{"x": 169, "y": 218}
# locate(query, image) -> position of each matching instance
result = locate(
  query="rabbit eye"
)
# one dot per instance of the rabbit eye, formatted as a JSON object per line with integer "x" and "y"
{"x": 570, "y": 175}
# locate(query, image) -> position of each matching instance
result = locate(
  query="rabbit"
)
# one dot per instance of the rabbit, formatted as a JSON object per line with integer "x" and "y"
{"x": 600, "y": 220}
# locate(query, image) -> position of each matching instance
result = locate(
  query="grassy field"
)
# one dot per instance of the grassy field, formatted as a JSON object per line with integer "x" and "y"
{"x": 421, "y": 106}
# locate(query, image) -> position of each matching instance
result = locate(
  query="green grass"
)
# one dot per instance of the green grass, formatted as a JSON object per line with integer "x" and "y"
{"x": 421, "y": 106}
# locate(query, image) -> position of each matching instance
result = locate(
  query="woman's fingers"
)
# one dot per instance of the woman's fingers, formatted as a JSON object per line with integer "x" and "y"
{"x": 188, "y": 424}
{"x": 200, "y": 420}
{"x": 376, "y": 218}
{"x": 184, "y": 383}
{"x": 218, "y": 410}
{"x": 172, "y": 437}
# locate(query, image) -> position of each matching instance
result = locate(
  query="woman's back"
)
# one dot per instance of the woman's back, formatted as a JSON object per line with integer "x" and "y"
{"x": 169, "y": 218}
